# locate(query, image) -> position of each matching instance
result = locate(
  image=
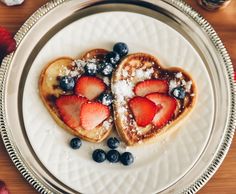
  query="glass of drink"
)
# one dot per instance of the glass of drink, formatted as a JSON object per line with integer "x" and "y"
{"x": 213, "y": 4}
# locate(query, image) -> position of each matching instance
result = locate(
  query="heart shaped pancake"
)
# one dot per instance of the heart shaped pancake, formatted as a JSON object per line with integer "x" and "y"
{"x": 65, "y": 105}
{"x": 141, "y": 80}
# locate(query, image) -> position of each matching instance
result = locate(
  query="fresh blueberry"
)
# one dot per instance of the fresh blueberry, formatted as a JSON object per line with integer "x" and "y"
{"x": 126, "y": 158}
{"x": 99, "y": 155}
{"x": 67, "y": 83}
{"x": 90, "y": 69}
{"x": 179, "y": 93}
{"x": 113, "y": 58}
{"x": 106, "y": 68}
{"x": 75, "y": 143}
{"x": 121, "y": 48}
{"x": 106, "y": 99}
{"x": 113, "y": 143}
{"x": 113, "y": 156}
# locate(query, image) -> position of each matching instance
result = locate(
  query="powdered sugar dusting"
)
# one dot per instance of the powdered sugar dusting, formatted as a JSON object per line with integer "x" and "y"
{"x": 74, "y": 73}
{"x": 106, "y": 124}
{"x": 80, "y": 63}
{"x": 178, "y": 75}
{"x": 76, "y": 70}
{"x": 110, "y": 120}
{"x": 92, "y": 65}
{"x": 183, "y": 82}
{"x": 142, "y": 74}
{"x": 64, "y": 71}
{"x": 172, "y": 84}
{"x": 122, "y": 111}
{"x": 78, "y": 67}
{"x": 125, "y": 73}
{"x": 106, "y": 80}
{"x": 122, "y": 89}
{"x": 188, "y": 86}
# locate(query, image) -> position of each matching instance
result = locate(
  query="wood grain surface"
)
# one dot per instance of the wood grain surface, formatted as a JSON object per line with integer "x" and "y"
{"x": 224, "y": 22}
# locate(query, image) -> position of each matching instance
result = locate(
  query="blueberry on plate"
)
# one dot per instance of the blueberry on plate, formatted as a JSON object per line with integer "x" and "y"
{"x": 126, "y": 158}
{"x": 67, "y": 83}
{"x": 106, "y": 68}
{"x": 121, "y": 48}
{"x": 113, "y": 143}
{"x": 75, "y": 143}
{"x": 179, "y": 93}
{"x": 113, "y": 58}
{"x": 90, "y": 69}
{"x": 113, "y": 156}
{"x": 99, "y": 155}
{"x": 106, "y": 99}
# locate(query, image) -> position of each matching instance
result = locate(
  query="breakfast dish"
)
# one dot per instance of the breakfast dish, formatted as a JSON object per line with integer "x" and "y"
{"x": 70, "y": 90}
{"x": 149, "y": 98}
{"x": 174, "y": 162}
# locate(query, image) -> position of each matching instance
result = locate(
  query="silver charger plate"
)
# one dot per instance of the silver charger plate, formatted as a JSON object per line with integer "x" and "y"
{"x": 55, "y": 16}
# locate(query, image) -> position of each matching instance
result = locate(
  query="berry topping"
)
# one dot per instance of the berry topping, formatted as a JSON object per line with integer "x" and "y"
{"x": 113, "y": 143}
{"x": 91, "y": 69}
{"x": 3, "y": 188}
{"x": 99, "y": 155}
{"x": 167, "y": 106}
{"x": 67, "y": 83}
{"x": 69, "y": 108}
{"x": 90, "y": 87}
{"x": 7, "y": 43}
{"x": 121, "y": 48}
{"x": 92, "y": 114}
{"x": 151, "y": 86}
{"x": 127, "y": 158}
{"x": 106, "y": 68}
{"x": 178, "y": 93}
{"x": 106, "y": 98}
{"x": 113, "y": 58}
{"x": 113, "y": 156}
{"x": 75, "y": 143}
{"x": 143, "y": 110}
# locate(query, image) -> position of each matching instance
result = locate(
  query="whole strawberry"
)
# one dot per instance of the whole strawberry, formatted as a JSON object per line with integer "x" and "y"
{"x": 3, "y": 188}
{"x": 7, "y": 43}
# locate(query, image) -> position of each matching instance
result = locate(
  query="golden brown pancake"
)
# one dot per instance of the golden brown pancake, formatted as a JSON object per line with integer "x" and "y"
{"x": 134, "y": 69}
{"x": 49, "y": 91}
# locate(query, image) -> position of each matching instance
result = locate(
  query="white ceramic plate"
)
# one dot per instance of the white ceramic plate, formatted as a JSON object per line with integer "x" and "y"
{"x": 181, "y": 162}
{"x": 156, "y": 166}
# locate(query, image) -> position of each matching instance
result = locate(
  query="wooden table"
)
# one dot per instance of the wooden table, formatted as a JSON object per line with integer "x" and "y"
{"x": 224, "y": 22}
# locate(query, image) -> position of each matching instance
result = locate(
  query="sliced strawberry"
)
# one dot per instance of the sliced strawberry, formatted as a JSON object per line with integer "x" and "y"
{"x": 168, "y": 105}
{"x": 143, "y": 110}
{"x": 150, "y": 86}
{"x": 92, "y": 114}
{"x": 69, "y": 109}
{"x": 89, "y": 87}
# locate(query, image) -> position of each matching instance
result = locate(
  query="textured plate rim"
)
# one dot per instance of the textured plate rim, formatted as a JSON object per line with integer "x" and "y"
{"x": 186, "y": 9}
